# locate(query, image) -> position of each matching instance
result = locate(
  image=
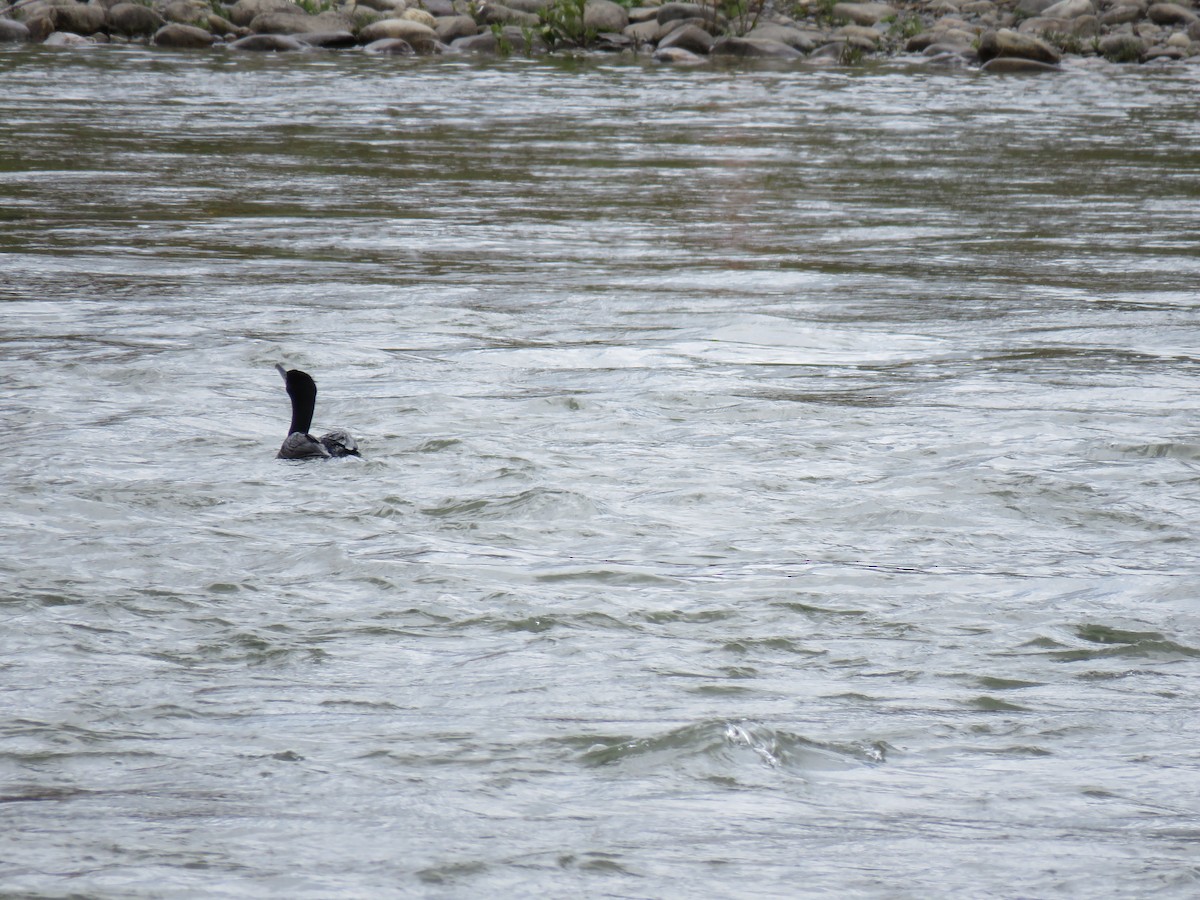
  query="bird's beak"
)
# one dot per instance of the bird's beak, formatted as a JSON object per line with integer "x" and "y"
{"x": 282, "y": 371}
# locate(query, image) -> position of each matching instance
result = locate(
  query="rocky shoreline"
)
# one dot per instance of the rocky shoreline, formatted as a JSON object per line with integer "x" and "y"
{"x": 998, "y": 35}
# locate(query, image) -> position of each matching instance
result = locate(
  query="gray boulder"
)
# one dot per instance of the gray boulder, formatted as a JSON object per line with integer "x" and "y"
{"x": 689, "y": 37}
{"x": 11, "y": 31}
{"x": 1034, "y": 7}
{"x": 134, "y": 20}
{"x": 390, "y": 47}
{"x": 78, "y": 19}
{"x": 605, "y": 16}
{"x": 748, "y": 48}
{"x": 499, "y": 14}
{"x": 268, "y": 43}
{"x": 177, "y": 35}
{"x": 484, "y": 42}
{"x": 283, "y": 22}
{"x": 244, "y": 11}
{"x": 450, "y": 28}
{"x": 858, "y": 36}
{"x": 1069, "y": 9}
{"x": 1006, "y": 42}
{"x": 1171, "y": 14}
{"x": 665, "y": 28}
{"x": 793, "y": 37}
{"x": 40, "y": 28}
{"x": 677, "y": 56}
{"x": 1119, "y": 15}
{"x": 1012, "y": 65}
{"x": 862, "y": 13}
{"x": 421, "y": 38}
{"x": 185, "y": 12}
{"x": 328, "y": 40}
{"x": 946, "y": 41}
{"x": 68, "y": 39}
{"x": 669, "y": 12}
{"x": 642, "y": 32}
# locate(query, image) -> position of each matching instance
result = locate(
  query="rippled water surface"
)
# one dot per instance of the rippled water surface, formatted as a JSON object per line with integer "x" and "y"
{"x": 776, "y": 483}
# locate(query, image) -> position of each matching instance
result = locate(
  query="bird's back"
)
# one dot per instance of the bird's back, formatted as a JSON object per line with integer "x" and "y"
{"x": 299, "y": 445}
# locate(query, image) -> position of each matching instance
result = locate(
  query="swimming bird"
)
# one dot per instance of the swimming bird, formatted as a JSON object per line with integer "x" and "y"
{"x": 299, "y": 444}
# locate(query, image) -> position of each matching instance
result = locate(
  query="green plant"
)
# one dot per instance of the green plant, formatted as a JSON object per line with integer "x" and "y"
{"x": 563, "y": 24}
{"x": 824, "y": 11}
{"x": 906, "y": 27}
{"x": 504, "y": 46}
{"x": 1123, "y": 51}
{"x": 1067, "y": 43}
{"x": 314, "y": 7}
{"x": 742, "y": 15}
{"x": 850, "y": 54}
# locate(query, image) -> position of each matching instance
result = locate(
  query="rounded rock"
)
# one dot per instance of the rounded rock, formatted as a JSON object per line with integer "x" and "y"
{"x": 688, "y": 37}
{"x": 182, "y": 36}
{"x": 605, "y": 16}
{"x": 78, "y": 19}
{"x": 669, "y": 12}
{"x": 1014, "y": 65}
{"x": 642, "y": 32}
{"x": 284, "y": 22}
{"x": 499, "y": 14}
{"x": 422, "y": 38}
{"x": 390, "y": 47}
{"x": 246, "y": 11}
{"x": 752, "y": 49}
{"x": 11, "y": 31}
{"x": 484, "y": 42}
{"x": 677, "y": 56}
{"x": 68, "y": 39}
{"x": 1119, "y": 15}
{"x": 1005, "y": 42}
{"x": 40, "y": 27}
{"x": 1171, "y": 14}
{"x": 268, "y": 43}
{"x": 420, "y": 16}
{"x": 1069, "y": 9}
{"x": 328, "y": 40}
{"x": 803, "y": 41}
{"x": 134, "y": 20}
{"x": 862, "y": 13}
{"x": 1029, "y": 8}
{"x": 859, "y": 35}
{"x": 450, "y": 28}
{"x": 185, "y": 12}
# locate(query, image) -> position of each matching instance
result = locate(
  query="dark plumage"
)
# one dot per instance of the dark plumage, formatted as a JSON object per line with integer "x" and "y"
{"x": 299, "y": 444}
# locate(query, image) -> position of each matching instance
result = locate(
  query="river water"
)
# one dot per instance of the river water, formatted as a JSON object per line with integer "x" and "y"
{"x": 776, "y": 482}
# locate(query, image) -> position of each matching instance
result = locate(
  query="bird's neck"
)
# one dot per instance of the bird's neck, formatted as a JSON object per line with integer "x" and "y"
{"x": 302, "y": 413}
